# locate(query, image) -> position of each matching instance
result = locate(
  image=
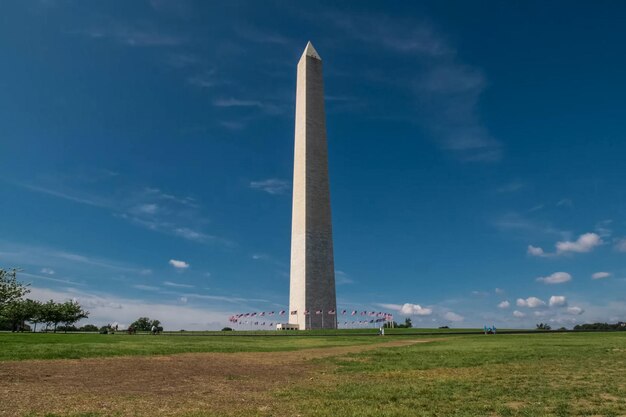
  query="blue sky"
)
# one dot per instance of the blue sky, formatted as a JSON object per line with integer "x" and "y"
{"x": 476, "y": 157}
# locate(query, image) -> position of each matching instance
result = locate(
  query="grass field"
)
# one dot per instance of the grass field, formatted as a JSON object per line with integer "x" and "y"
{"x": 543, "y": 374}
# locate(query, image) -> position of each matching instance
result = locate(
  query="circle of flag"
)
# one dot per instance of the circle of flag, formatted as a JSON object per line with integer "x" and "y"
{"x": 350, "y": 317}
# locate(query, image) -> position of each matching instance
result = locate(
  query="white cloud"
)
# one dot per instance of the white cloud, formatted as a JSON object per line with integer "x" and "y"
{"x": 47, "y": 271}
{"x": 535, "y": 251}
{"x": 504, "y": 304}
{"x": 530, "y": 302}
{"x": 178, "y": 264}
{"x": 499, "y": 291}
{"x": 585, "y": 243}
{"x": 557, "y": 301}
{"x": 271, "y": 186}
{"x": 451, "y": 316}
{"x": 600, "y": 275}
{"x": 575, "y": 311}
{"x": 556, "y": 278}
{"x": 415, "y": 309}
{"x": 518, "y": 314}
{"x": 109, "y": 308}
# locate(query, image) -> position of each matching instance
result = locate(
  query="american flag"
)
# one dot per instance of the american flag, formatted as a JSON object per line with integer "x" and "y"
{"x": 271, "y": 313}
{"x": 296, "y": 312}
{"x": 343, "y": 311}
{"x": 331, "y": 312}
{"x": 306, "y": 312}
{"x": 282, "y": 312}
{"x": 262, "y": 313}
{"x": 318, "y": 311}
{"x": 354, "y": 312}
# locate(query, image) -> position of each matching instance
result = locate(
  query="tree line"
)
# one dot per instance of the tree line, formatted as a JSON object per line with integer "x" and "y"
{"x": 620, "y": 326}
{"x": 16, "y": 311}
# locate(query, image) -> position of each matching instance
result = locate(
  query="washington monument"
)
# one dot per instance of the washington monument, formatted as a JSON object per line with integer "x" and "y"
{"x": 312, "y": 300}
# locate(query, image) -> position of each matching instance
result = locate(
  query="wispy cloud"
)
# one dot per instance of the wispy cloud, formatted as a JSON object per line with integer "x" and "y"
{"x": 36, "y": 255}
{"x": 145, "y": 287}
{"x": 600, "y": 275}
{"x": 147, "y": 207}
{"x": 446, "y": 89}
{"x": 177, "y": 284}
{"x": 257, "y": 35}
{"x": 341, "y": 278}
{"x": 141, "y": 34}
{"x": 620, "y": 245}
{"x": 271, "y": 186}
{"x": 526, "y": 227}
{"x": 511, "y": 187}
{"x": 204, "y": 79}
{"x": 266, "y": 107}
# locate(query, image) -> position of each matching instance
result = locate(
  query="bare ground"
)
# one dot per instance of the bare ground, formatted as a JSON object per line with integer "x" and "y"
{"x": 208, "y": 383}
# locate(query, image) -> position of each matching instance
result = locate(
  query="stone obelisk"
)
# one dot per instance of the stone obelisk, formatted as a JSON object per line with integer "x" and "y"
{"x": 312, "y": 299}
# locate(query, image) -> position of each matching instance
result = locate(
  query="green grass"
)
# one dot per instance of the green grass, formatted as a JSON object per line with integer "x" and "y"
{"x": 73, "y": 346}
{"x": 541, "y": 374}
{"x": 508, "y": 375}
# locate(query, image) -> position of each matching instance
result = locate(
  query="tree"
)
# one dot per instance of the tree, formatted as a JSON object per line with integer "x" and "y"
{"x": 144, "y": 324}
{"x": 10, "y": 288}
{"x": 89, "y": 328}
{"x": 51, "y": 314}
{"x": 407, "y": 323}
{"x": 34, "y": 312}
{"x": 543, "y": 326}
{"x": 16, "y": 313}
{"x": 70, "y": 312}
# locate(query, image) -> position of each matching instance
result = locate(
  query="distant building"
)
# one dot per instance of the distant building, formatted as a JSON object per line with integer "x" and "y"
{"x": 286, "y": 326}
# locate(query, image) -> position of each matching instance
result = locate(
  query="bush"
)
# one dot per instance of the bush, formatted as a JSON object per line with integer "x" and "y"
{"x": 227, "y": 329}
{"x": 89, "y": 328}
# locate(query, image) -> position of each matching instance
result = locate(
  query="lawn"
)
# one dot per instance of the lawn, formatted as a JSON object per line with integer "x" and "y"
{"x": 74, "y": 346}
{"x": 22, "y": 346}
{"x": 509, "y": 375}
{"x": 542, "y": 374}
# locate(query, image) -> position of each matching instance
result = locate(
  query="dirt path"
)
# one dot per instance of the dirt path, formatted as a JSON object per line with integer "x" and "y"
{"x": 160, "y": 385}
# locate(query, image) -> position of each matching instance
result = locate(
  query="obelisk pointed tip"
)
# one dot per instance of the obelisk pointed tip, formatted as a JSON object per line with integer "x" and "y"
{"x": 310, "y": 51}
